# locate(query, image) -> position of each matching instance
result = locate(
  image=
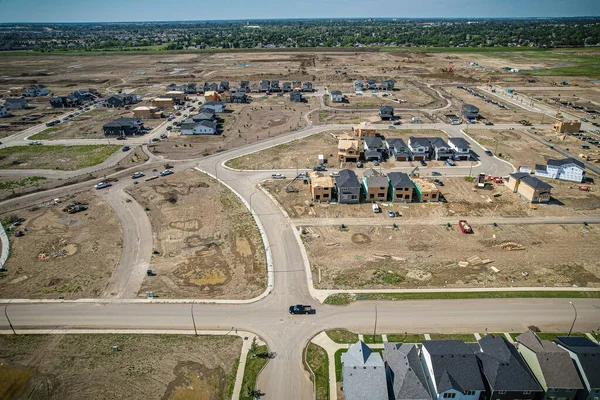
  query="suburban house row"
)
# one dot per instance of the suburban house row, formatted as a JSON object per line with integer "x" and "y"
{"x": 374, "y": 186}
{"x": 489, "y": 369}
{"x": 264, "y": 86}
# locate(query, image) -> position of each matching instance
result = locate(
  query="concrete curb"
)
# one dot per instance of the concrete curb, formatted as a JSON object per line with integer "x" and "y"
{"x": 241, "y": 334}
{"x": 483, "y": 147}
{"x": 5, "y": 246}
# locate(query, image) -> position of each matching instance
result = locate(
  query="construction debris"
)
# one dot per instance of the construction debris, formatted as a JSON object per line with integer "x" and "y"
{"x": 511, "y": 246}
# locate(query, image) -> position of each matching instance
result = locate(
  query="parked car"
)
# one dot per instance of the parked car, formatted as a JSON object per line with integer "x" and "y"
{"x": 376, "y": 208}
{"x": 359, "y": 164}
{"x": 334, "y": 174}
{"x": 489, "y": 153}
{"x": 121, "y": 137}
{"x": 391, "y": 214}
{"x": 163, "y": 136}
{"x": 489, "y": 123}
{"x": 278, "y": 176}
{"x": 438, "y": 182}
{"x": 455, "y": 123}
{"x": 155, "y": 140}
{"x": 166, "y": 172}
{"x": 423, "y": 163}
{"x": 435, "y": 173}
{"x": 450, "y": 163}
{"x": 302, "y": 309}
{"x": 137, "y": 175}
{"x": 169, "y": 127}
{"x": 35, "y": 143}
{"x": 102, "y": 185}
{"x": 126, "y": 148}
{"x": 319, "y": 168}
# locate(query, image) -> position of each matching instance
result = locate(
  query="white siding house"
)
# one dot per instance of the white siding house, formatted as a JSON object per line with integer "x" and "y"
{"x": 336, "y": 96}
{"x": 567, "y": 169}
{"x": 461, "y": 148}
{"x": 199, "y": 128}
{"x": 419, "y": 148}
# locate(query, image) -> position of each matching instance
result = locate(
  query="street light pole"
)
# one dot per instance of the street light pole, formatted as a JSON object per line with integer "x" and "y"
{"x": 574, "y": 319}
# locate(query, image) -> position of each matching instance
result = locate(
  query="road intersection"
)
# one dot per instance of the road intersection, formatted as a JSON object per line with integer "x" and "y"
{"x": 286, "y": 335}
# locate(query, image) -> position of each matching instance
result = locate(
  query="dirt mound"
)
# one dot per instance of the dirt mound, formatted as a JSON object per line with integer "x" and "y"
{"x": 360, "y": 238}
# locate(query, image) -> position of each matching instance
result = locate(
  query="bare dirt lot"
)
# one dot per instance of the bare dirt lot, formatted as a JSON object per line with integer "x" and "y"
{"x": 266, "y": 116}
{"x": 62, "y": 255}
{"x": 463, "y": 200}
{"x": 66, "y": 158}
{"x": 489, "y": 111}
{"x": 208, "y": 244}
{"x": 301, "y": 153}
{"x": 429, "y": 256}
{"x": 514, "y": 146}
{"x": 146, "y": 366}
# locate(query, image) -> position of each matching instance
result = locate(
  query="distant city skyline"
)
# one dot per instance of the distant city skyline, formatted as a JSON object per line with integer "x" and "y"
{"x": 192, "y": 10}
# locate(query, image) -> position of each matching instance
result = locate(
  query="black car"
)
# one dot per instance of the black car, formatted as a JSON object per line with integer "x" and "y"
{"x": 435, "y": 173}
{"x": 438, "y": 182}
{"x": 489, "y": 153}
{"x": 423, "y": 163}
{"x": 319, "y": 168}
{"x": 302, "y": 309}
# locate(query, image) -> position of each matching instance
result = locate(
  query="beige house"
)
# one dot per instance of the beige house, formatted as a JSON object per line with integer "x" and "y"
{"x": 426, "y": 191}
{"x": 212, "y": 96}
{"x": 567, "y": 126}
{"x": 179, "y": 96}
{"x": 364, "y": 129}
{"x": 375, "y": 185}
{"x": 144, "y": 112}
{"x": 164, "y": 103}
{"x": 349, "y": 149}
{"x": 529, "y": 187}
{"x": 321, "y": 187}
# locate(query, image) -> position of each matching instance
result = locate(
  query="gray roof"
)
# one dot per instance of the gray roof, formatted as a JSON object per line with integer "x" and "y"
{"x": 386, "y": 109}
{"x": 214, "y": 103}
{"x": 374, "y": 142}
{"x": 437, "y": 142}
{"x": 459, "y": 142}
{"x": 363, "y": 374}
{"x": 555, "y": 363}
{"x": 588, "y": 354}
{"x": 535, "y": 182}
{"x": 455, "y": 365}
{"x": 566, "y": 161}
{"x": 503, "y": 366}
{"x": 405, "y": 372}
{"x": 519, "y": 175}
{"x": 347, "y": 178}
{"x": 122, "y": 122}
{"x": 397, "y": 143}
{"x": 470, "y": 108}
{"x": 336, "y": 92}
{"x": 541, "y": 168}
{"x": 400, "y": 180}
{"x": 418, "y": 141}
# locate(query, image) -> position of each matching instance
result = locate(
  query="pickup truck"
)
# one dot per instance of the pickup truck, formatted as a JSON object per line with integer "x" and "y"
{"x": 301, "y": 309}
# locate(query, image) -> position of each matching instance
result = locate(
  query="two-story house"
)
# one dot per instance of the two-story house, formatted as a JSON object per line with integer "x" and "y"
{"x": 388, "y": 84}
{"x": 216, "y": 106}
{"x": 205, "y": 114}
{"x": 358, "y": 86}
{"x": 586, "y": 355}
{"x": 401, "y": 187}
{"x": 506, "y": 374}
{"x": 239, "y": 97}
{"x": 244, "y": 86}
{"x": 348, "y": 150}
{"x": 223, "y": 87}
{"x": 568, "y": 169}
{"x": 452, "y": 370}
{"x": 405, "y": 376}
{"x": 375, "y": 185}
{"x": 460, "y": 147}
{"x": 210, "y": 87}
{"x": 296, "y": 96}
{"x": 397, "y": 149}
{"x": 373, "y": 149}
{"x": 336, "y": 96}
{"x": 64, "y": 101}
{"x": 287, "y": 87}
{"x": 15, "y": 103}
{"x": 307, "y": 87}
{"x": 321, "y": 187}
{"x": 441, "y": 149}
{"x": 347, "y": 187}
{"x": 419, "y": 147}
{"x": 364, "y": 129}
{"x": 552, "y": 366}
{"x": 265, "y": 85}
{"x": 426, "y": 191}
{"x": 363, "y": 374}
{"x": 36, "y": 91}
{"x": 386, "y": 113}
{"x": 275, "y": 88}
{"x": 121, "y": 100}
{"x": 371, "y": 84}
{"x": 529, "y": 187}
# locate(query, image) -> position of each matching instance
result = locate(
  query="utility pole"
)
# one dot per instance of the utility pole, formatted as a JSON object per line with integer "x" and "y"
{"x": 193, "y": 320}
{"x": 375, "y": 327}
{"x": 471, "y": 169}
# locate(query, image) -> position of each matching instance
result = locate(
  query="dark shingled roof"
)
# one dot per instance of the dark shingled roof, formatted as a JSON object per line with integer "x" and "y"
{"x": 459, "y": 142}
{"x": 347, "y": 178}
{"x": 541, "y": 168}
{"x": 566, "y": 161}
{"x": 405, "y": 372}
{"x": 503, "y": 366}
{"x": 400, "y": 180}
{"x": 455, "y": 365}
{"x": 535, "y": 182}
{"x": 373, "y": 142}
{"x": 555, "y": 363}
{"x": 588, "y": 354}
{"x": 418, "y": 141}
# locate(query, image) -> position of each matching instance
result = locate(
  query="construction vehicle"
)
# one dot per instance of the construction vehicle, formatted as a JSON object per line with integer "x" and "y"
{"x": 584, "y": 188}
{"x": 465, "y": 227}
{"x": 74, "y": 208}
{"x": 412, "y": 173}
{"x": 574, "y": 84}
{"x": 524, "y": 122}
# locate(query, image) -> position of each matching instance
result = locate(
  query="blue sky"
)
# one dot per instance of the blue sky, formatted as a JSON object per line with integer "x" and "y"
{"x": 165, "y": 10}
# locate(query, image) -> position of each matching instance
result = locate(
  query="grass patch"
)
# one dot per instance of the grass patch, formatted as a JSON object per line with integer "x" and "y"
{"x": 552, "y": 336}
{"x": 67, "y": 158}
{"x": 339, "y": 299}
{"x": 465, "y": 337}
{"x": 342, "y": 336}
{"x": 11, "y": 185}
{"x": 560, "y": 294}
{"x": 370, "y": 339}
{"x": 408, "y": 338}
{"x": 316, "y": 358}
{"x": 253, "y": 367}
{"x": 44, "y": 135}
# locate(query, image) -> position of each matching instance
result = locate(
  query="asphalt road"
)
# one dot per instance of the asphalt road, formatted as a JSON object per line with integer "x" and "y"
{"x": 286, "y": 335}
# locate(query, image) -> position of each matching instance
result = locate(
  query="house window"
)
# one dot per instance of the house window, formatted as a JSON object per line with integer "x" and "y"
{"x": 469, "y": 392}
{"x": 449, "y": 395}
{"x": 354, "y": 197}
{"x": 407, "y": 196}
{"x": 325, "y": 195}
{"x": 502, "y": 392}
{"x": 527, "y": 392}
{"x": 398, "y": 196}
{"x": 433, "y": 196}
{"x": 380, "y": 194}
{"x": 371, "y": 196}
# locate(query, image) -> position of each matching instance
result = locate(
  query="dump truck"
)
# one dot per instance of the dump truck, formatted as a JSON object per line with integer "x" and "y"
{"x": 464, "y": 226}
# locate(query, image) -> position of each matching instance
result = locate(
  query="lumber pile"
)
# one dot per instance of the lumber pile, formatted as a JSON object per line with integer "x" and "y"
{"x": 474, "y": 261}
{"x": 510, "y": 246}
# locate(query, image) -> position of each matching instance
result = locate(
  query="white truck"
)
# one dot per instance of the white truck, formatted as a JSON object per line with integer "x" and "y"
{"x": 376, "y": 208}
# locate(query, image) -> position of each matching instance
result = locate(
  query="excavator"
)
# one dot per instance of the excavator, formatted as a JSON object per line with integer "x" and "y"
{"x": 412, "y": 173}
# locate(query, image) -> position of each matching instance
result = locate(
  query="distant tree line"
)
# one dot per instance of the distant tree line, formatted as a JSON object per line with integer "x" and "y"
{"x": 546, "y": 32}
